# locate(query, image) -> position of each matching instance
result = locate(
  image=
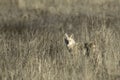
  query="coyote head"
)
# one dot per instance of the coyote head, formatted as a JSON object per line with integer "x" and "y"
{"x": 70, "y": 42}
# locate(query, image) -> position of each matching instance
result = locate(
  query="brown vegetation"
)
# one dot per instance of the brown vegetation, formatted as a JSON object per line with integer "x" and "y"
{"x": 32, "y": 45}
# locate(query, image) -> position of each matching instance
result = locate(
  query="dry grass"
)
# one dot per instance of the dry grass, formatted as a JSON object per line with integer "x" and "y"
{"x": 32, "y": 45}
{"x": 34, "y": 48}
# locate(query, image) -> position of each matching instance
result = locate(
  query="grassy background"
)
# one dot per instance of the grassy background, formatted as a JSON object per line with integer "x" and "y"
{"x": 32, "y": 43}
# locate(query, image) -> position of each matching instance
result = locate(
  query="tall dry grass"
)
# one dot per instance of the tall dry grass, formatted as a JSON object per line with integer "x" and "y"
{"x": 32, "y": 43}
{"x": 34, "y": 49}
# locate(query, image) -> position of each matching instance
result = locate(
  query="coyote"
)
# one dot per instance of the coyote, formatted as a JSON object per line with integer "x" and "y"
{"x": 78, "y": 47}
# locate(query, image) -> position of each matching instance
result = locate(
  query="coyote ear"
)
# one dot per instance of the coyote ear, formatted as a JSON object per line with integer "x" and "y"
{"x": 66, "y": 35}
{"x": 71, "y": 36}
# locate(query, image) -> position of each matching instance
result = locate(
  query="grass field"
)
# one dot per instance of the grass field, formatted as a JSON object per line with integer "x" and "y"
{"x": 32, "y": 45}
